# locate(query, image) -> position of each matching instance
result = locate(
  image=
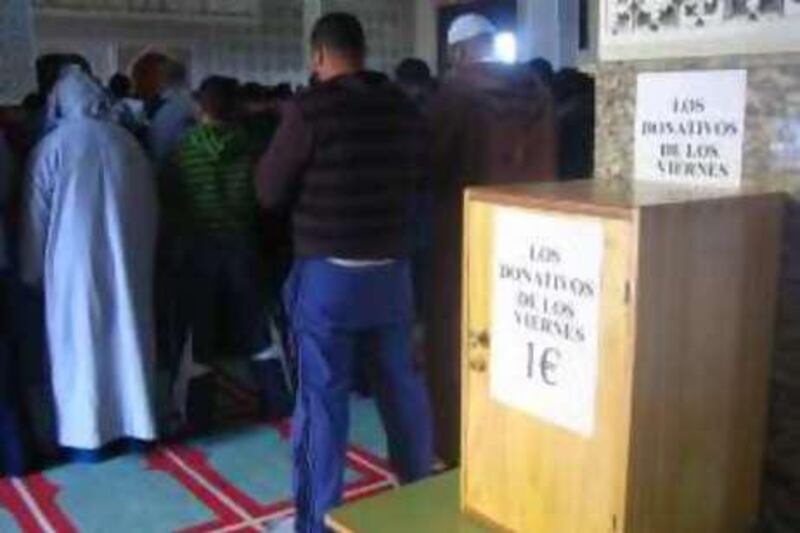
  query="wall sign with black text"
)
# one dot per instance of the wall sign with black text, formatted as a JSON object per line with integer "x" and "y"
{"x": 690, "y": 127}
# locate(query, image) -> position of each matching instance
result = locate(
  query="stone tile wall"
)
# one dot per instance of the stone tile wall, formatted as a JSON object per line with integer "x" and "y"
{"x": 772, "y": 151}
{"x": 772, "y": 143}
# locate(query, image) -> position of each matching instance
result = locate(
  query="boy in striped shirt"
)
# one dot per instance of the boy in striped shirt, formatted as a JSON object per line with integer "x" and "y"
{"x": 215, "y": 212}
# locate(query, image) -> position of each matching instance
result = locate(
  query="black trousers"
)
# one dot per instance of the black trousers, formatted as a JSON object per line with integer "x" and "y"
{"x": 224, "y": 297}
{"x": 13, "y": 433}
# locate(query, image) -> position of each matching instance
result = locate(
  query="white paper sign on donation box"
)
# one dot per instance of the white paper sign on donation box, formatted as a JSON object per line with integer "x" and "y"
{"x": 690, "y": 127}
{"x": 545, "y": 313}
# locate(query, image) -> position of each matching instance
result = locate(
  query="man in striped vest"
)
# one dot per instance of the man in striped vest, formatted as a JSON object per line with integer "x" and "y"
{"x": 344, "y": 165}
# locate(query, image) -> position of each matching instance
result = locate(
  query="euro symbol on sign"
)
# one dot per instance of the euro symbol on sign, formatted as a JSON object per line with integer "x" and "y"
{"x": 549, "y": 365}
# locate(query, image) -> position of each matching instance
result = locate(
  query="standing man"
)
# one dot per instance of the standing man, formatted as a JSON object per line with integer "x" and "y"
{"x": 164, "y": 85}
{"x": 221, "y": 272}
{"x": 493, "y": 124}
{"x": 345, "y": 164}
{"x": 89, "y": 236}
{"x": 221, "y": 275}
{"x": 11, "y": 391}
{"x": 171, "y": 114}
{"x": 413, "y": 76}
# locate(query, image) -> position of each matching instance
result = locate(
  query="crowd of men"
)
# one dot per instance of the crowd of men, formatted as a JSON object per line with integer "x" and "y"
{"x": 166, "y": 227}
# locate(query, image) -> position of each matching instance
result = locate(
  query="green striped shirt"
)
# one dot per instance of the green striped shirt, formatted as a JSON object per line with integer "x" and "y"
{"x": 215, "y": 190}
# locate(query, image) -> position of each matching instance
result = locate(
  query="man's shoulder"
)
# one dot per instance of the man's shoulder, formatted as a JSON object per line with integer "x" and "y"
{"x": 190, "y": 143}
{"x": 77, "y": 131}
{"x": 316, "y": 96}
{"x": 74, "y": 138}
{"x": 194, "y": 130}
{"x": 189, "y": 135}
{"x": 368, "y": 89}
{"x": 176, "y": 106}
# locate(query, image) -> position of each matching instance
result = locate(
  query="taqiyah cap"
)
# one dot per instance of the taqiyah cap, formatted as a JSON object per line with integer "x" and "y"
{"x": 468, "y": 27}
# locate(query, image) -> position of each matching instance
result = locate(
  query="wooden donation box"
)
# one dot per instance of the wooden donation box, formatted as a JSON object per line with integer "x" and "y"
{"x": 616, "y": 350}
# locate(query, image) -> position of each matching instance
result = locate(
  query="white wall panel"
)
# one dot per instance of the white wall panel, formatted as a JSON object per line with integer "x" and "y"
{"x": 16, "y": 50}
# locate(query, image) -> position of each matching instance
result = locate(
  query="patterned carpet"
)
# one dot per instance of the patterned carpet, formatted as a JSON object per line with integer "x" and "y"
{"x": 231, "y": 481}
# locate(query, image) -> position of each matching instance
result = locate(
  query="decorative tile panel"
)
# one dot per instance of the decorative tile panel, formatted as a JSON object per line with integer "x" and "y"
{"x": 637, "y": 29}
{"x": 194, "y": 8}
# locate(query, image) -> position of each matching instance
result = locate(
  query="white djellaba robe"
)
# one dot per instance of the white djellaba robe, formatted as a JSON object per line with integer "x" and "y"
{"x": 89, "y": 234}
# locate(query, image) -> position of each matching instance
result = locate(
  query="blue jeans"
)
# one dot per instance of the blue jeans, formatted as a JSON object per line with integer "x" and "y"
{"x": 332, "y": 311}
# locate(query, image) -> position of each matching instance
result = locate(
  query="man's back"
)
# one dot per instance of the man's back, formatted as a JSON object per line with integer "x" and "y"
{"x": 89, "y": 236}
{"x": 215, "y": 190}
{"x": 95, "y": 163}
{"x": 494, "y": 123}
{"x": 99, "y": 188}
{"x": 361, "y": 143}
{"x": 170, "y": 122}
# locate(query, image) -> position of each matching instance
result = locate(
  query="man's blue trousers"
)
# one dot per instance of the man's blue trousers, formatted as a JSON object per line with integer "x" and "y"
{"x": 337, "y": 314}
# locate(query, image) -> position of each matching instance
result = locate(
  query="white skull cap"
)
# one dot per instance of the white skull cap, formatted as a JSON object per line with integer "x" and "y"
{"x": 468, "y": 27}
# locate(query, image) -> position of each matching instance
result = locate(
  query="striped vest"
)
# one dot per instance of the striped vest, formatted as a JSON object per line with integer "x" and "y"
{"x": 356, "y": 196}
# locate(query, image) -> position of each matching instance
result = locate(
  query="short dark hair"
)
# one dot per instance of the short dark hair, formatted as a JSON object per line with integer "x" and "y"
{"x": 217, "y": 97}
{"x": 413, "y": 71}
{"x": 283, "y": 91}
{"x": 544, "y": 69}
{"x": 252, "y": 92}
{"x": 120, "y": 85}
{"x": 571, "y": 83}
{"x": 341, "y": 32}
{"x": 174, "y": 73}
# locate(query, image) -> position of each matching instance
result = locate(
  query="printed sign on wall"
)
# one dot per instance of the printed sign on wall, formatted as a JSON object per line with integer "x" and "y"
{"x": 690, "y": 127}
{"x": 545, "y": 313}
